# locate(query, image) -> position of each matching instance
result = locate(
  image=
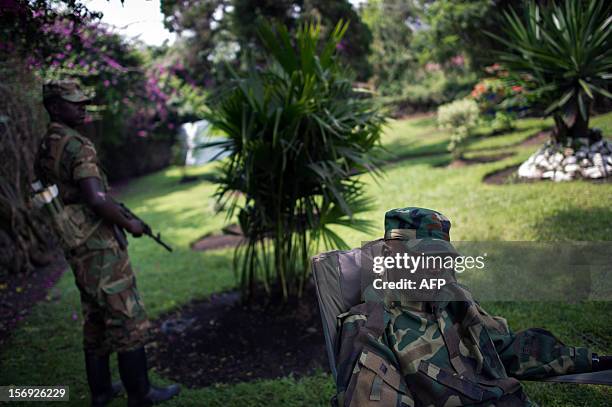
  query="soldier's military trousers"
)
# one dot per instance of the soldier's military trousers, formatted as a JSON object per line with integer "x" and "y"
{"x": 113, "y": 312}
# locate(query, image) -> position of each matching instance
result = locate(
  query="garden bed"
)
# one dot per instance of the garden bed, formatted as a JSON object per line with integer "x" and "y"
{"x": 221, "y": 341}
{"x": 481, "y": 159}
{"x": 230, "y": 236}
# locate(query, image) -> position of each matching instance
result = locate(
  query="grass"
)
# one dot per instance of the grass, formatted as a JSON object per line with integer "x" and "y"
{"x": 45, "y": 349}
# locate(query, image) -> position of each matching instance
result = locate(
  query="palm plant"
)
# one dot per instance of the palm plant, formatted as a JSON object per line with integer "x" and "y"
{"x": 562, "y": 53}
{"x": 297, "y": 133}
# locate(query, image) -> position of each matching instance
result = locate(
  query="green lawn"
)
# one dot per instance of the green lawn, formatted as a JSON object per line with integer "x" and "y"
{"x": 46, "y": 347}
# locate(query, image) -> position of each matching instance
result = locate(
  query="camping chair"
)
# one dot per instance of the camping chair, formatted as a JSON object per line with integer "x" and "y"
{"x": 338, "y": 285}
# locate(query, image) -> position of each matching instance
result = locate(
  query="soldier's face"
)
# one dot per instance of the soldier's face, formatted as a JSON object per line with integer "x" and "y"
{"x": 73, "y": 114}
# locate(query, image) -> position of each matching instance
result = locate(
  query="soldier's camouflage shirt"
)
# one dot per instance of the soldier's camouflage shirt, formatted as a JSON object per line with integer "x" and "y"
{"x": 65, "y": 157}
{"x": 451, "y": 354}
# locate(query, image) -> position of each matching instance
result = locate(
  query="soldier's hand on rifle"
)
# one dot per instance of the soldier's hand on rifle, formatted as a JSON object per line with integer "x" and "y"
{"x": 136, "y": 227}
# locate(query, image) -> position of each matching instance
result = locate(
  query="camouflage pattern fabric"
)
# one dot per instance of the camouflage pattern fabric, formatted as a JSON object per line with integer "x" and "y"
{"x": 416, "y": 223}
{"x": 76, "y": 160}
{"x": 67, "y": 89}
{"x": 447, "y": 353}
{"x": 114, "y": 316}
{"x": 454, "y": 354}
{"x": 113, "y": 313}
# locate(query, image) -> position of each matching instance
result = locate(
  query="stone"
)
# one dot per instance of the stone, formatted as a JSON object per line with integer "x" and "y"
{"x": 596, "y": 146}
{"x": 592, "y": 172}
{"x": 562, "y": 176}
{"x": 582, "y": 141}
{"x": 524, "y": 170}
{"x": 548, "y": 174}
{"x": 570, "y": 160}
{"x": 571, "y": 168}
{"x": 598, "y": 159}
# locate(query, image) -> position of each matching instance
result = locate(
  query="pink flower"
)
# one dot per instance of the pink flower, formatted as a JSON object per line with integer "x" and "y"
{"x": 171, "y": 126}
{"x": 112, "y": 63}
{"x": 68, "y": 47}
{"x": 74, "y": 316}
{"x": 142, "y": 133}
{"x": 517, "y": 88}
{"x": 458, "y": 60}
{"x": 432, "y": 66}
{"x": 106, "y": 83}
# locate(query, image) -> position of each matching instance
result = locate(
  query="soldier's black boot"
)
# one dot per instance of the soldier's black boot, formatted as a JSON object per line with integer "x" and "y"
{"x": 99, "y": 379}
{"x": 133, "y": 372}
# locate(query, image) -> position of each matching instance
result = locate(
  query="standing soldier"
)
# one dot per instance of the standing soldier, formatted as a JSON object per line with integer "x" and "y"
{"x": 113, "y": 313}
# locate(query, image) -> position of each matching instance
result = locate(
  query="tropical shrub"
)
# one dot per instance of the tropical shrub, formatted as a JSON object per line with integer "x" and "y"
{"x": 460, "y": 117}
{"x": 499, "y": 102}
{"x": 297, "y": 133}
{"x": 427, "y": 91}
{"x": 562, "y": 54}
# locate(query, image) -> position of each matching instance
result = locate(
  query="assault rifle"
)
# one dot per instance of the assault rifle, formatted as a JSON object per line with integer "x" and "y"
{"x": 147, "y": 229}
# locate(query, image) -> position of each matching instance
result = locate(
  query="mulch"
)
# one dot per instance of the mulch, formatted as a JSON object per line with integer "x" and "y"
{"x": 504, "y": 176}
{"x": 230, "y": 236}
{"x": 537, "y": 139}
{"x": 220, "y": 340}
{"x": 20, "y": 292}
{"x": 482, "y": 159}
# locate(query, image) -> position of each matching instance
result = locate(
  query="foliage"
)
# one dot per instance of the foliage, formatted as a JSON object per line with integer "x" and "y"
{"x": 25, "y": 239}
{"x": 223, "y": 32}
{"x": 426, "y": 91}
{"x": 562, "y": 54}
{"x": 460, "y": 117}
{"x": 393, "y": 61}
{"x": 455, "y": 27}
{"x": 297, "y": 133}
{"x": 499, "y": 101}
{"x": 406, "y": 71}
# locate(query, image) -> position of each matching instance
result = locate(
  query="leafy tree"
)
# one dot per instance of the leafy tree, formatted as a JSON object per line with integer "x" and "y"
{"x": 296, "y": 134}
{"x": 354, "y": 48}
{"x": 562, "y": 54}
{"x": 211, "y": 26}
{"x": 452, "y": 27}
{"x": 392, "y": 59}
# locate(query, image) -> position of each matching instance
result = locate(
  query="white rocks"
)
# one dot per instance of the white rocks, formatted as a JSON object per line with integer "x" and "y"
{"x": 561, "y": 163}
{"x": 562, "y": 176}
{"x": 570, "y": 160}
{"x": 571, "y": 168}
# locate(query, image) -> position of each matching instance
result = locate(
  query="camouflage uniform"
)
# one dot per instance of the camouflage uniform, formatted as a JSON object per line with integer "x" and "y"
{"x": 442, "y": 353}
{"x": 113, "y": 312}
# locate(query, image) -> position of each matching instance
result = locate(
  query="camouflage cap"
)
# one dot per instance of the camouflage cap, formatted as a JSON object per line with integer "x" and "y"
{"x": 416, "y": 223}
{"x": 67, "y": 89}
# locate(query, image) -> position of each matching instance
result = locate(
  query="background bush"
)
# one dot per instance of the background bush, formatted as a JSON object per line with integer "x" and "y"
{"x": 460, "y": 117}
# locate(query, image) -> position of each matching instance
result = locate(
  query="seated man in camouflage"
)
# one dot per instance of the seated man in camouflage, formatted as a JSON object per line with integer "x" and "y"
{"x": 114, "y": 316}
{"x": 393, "y": 350}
